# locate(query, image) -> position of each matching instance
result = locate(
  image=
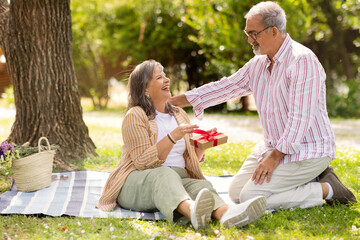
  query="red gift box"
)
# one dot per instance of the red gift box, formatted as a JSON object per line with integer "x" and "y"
{"x": 207, "y": 139}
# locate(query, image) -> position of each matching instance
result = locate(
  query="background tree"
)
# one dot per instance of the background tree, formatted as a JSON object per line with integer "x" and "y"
{"x": 220, "y": 25}
{"x": 95, "y": 61}
{"x": 37, "y": 41}
{"x": 199, "y": 41}
{"x": 130, "y": 32}
{"x": 334, "y": 36}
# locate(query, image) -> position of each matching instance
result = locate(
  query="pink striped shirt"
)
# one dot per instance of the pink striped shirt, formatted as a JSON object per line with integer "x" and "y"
{"x": 291, "y": 101}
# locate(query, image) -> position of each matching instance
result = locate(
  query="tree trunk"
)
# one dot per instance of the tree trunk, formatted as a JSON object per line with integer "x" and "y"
{"x": 245, "y": 104}
{"x": 338, "y": 37}
{"x": 37, "y": 41}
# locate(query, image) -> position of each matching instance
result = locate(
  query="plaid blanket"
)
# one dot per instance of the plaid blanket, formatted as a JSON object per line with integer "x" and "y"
{"x": 76, "y": 193}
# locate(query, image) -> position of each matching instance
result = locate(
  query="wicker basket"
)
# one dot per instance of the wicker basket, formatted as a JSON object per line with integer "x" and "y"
{"x": 33, "y": 172}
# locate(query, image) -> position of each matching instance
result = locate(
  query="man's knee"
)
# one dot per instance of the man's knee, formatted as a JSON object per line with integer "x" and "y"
{"x": 236, "y": 186}
{"x": 234, "y": 194}
{"x": 245, "y": 195}
{"x": 250, "y": 192}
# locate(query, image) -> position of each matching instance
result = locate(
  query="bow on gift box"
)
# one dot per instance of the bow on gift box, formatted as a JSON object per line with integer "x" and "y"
{"x": 209, "y": 136}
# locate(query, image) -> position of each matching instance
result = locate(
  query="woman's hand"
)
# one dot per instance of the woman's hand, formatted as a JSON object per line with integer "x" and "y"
{"x": 179, "y": 132}
{"x": 213, "y": 129}
{"x": 200, "y": 152}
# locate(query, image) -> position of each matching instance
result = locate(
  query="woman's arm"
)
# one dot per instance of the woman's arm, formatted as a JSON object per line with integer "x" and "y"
{"x": 137, "y": 137}
{"x": 165, "y": 145}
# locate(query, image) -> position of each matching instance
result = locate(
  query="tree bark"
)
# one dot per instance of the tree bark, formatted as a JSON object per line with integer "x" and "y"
{"x": 37, "y": 41}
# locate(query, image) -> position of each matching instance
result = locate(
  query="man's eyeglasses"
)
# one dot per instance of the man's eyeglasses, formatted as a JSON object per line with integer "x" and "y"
{"x": 254, "y": 35}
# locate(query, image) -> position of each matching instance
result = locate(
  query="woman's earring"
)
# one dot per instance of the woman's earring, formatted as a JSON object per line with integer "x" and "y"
{"x": 147, "y": 95}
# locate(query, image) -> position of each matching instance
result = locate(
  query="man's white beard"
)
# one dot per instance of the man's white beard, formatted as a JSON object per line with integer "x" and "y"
{"x": 257, "y": 51}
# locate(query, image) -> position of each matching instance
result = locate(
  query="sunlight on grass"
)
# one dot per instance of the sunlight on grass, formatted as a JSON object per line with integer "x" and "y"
{"x": 322, "y": 222}
{"x": 105, "y": 136}
{"x": 226, "y": 159}
{"x": 5, "y": 127}
{"x": 108, "y": 158}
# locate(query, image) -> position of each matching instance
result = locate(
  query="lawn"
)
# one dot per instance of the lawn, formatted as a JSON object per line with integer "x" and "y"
{"x": 325, "y": 222}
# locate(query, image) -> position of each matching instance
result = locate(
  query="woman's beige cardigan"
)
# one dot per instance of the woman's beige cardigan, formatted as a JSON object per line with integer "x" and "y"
{"x": 140, "y": 152}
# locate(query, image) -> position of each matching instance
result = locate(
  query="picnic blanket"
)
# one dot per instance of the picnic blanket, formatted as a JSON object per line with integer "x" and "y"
{"x": 76, "y": 193}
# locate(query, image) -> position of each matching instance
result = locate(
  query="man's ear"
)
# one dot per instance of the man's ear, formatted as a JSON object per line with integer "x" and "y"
{"x": 275, "y": 31}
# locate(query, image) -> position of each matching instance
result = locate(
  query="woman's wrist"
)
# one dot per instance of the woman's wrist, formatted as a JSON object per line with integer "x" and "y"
{"x": 171, "y": 138}
{"x": 175, "y": 135}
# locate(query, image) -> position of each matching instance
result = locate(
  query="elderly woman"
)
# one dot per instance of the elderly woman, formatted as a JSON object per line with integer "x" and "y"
{"x": 159, "y": 169}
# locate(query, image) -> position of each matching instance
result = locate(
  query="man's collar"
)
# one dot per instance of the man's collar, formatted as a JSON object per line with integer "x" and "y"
{"x": 280, "y": 54}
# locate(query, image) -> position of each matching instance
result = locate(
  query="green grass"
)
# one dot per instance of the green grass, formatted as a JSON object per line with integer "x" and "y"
{"x": 324, "y": 222}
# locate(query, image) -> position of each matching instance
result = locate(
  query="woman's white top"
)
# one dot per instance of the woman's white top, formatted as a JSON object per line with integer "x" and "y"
{"x": 165, "y": 124}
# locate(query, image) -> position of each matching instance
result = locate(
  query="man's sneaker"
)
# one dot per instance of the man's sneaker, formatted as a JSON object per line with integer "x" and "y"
{"x": 202, "y": 208}
{"x": 244, "y": 213}
{"x": 342, "y": 194}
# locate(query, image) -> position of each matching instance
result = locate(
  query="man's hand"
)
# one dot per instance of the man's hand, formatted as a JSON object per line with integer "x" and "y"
{"x": 179, "y": 100}
{"x": 267, "y": 166}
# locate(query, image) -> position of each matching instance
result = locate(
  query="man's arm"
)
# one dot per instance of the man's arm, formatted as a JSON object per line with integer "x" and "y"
{"x": 214, "y": 93}
{"x": 179, "y": 100}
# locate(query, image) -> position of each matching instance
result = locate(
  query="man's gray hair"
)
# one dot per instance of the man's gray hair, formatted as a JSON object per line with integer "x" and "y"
{"x": 272, "y": 15}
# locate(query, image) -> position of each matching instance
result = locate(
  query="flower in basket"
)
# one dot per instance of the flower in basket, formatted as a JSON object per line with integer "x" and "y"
{"x": 7, "y": 154}
{"x": 10, "y": 151}
{"x": 25, "y": 162}
{"x": 6, "y": 151}
{"x": 35, "y": 163}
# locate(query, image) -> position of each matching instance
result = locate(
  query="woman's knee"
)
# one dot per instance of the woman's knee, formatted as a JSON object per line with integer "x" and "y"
{"x": 165, "y": 175}
{"x": 162, "y": 171}
{"x": 207, "y": 184}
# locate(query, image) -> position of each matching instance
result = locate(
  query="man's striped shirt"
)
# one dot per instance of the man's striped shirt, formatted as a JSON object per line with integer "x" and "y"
{"x": 290, "y": 100}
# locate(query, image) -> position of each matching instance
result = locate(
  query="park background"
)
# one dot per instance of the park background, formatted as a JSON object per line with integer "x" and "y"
{"x": 197, "y": 42}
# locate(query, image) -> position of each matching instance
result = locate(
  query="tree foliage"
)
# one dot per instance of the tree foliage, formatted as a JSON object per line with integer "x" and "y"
{"x": 201, "y": 40}
{"x": 334, "y": 37}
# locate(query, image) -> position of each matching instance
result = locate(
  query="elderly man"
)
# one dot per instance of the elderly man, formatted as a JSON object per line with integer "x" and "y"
{"x": 288, "y": 84}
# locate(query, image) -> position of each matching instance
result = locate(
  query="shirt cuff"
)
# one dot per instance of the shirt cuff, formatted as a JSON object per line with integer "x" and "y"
{"x": 288, "y": 147}
{"x": 106, "y": 207}
{"x": 194, "y": 99}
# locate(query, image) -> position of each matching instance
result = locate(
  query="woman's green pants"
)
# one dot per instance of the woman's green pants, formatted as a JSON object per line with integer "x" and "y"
{"x": 162, "y": 189}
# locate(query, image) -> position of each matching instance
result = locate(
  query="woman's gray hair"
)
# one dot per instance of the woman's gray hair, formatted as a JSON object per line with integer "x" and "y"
{"x": 272, "y": 15}
{"x": 138, "y": 82}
